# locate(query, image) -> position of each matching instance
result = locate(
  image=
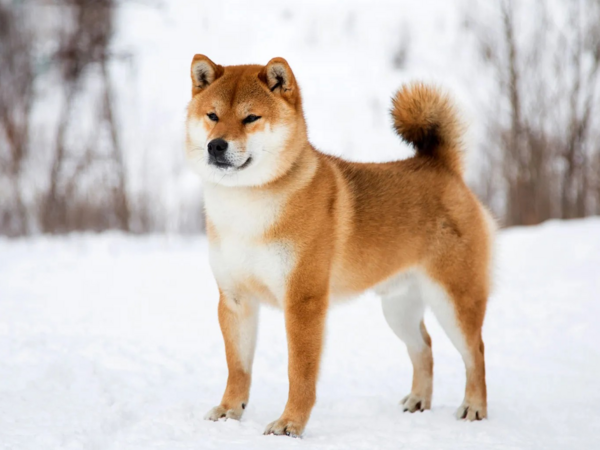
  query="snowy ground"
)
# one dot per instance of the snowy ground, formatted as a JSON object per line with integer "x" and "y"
{"x": 112, "y": 342}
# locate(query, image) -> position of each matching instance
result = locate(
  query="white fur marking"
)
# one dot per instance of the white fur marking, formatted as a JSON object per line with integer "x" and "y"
{"x": 436, "y": 297}
{"x": 197, "y": 138}
{"x": 403, "y": 298}
{"x": 492, "y": 228}
{"x": 248, "y": 328}
{"x": 241, "y": 219}
{"x": 397, "y": 285}
{"x": 403, "y": 309}
{"x": 266, "y": 148}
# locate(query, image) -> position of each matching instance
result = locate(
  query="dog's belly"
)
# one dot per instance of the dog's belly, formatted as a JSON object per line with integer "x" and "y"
{"x": 260, "y": 270}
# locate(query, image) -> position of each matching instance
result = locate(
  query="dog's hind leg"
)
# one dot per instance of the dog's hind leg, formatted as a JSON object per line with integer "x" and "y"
{"x": 403, "y": 312}
{"x": 460, "y": 310}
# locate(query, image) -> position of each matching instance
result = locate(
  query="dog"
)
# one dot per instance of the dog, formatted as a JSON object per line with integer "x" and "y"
{"x": 298, "y": 229}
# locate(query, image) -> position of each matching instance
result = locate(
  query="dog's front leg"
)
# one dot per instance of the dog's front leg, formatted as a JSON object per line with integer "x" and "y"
{"x": 239, "y": 322}
{"x": 305, "y": 314}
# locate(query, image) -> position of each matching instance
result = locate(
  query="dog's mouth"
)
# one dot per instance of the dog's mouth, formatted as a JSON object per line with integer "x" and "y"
{"x": 226, "y": 165}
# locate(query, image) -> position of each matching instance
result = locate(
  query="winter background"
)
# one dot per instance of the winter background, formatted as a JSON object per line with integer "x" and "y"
{"x": 108, "y": 326}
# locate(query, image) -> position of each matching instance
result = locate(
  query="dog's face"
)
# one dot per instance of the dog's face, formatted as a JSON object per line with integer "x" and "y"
{"x": 242, "y": 121}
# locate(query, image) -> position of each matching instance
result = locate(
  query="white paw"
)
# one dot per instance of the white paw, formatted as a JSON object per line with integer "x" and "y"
{"x": 412, "y": 403}
{"x": 471, "y": 411}
{"x": 284, "y": 427}
{"x": 219, "y": 412}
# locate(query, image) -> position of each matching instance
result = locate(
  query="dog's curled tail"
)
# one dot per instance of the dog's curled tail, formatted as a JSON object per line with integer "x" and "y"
{"x": 426, "y": 118}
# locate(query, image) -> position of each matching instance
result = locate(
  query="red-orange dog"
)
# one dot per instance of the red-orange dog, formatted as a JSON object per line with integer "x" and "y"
{"x": 298, "y": 229}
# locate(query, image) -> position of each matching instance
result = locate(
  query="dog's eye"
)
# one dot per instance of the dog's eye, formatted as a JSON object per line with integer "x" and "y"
{"x": 213, "y": 117}
{"x": 251, "y": 118}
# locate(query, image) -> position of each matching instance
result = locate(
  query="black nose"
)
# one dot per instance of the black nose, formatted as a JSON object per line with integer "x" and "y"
{"x": 217, "y": 147}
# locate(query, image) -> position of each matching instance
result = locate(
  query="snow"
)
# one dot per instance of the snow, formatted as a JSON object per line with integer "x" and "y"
{"x": 111, "y": 342}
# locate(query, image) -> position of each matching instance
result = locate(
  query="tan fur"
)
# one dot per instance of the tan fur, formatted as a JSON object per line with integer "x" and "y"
{"x": 342, "y": 227}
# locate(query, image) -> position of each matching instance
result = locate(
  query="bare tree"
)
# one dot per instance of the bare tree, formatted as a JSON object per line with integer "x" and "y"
{"x": 547, "y": 80}
{"x": 84, "y": 46}
{"x": 17, "y": 79}
{"x": 64, "y": 67}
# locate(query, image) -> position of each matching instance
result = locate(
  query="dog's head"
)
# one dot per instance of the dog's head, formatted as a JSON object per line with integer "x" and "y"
{"x": 245, "y": 123}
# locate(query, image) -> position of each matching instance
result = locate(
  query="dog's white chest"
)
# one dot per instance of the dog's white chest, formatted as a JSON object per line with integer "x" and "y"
{"x": 241, "y": 254}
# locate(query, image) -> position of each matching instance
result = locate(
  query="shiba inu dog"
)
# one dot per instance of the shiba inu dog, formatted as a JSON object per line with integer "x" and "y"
{"x": 298, "y": 229}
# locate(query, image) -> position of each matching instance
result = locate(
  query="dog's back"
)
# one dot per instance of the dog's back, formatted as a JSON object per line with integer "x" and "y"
{"x": 414, "y": 213}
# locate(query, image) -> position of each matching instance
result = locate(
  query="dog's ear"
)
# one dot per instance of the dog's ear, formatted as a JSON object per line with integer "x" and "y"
{"x": 280, "y": 80}
{"x": 204, "y": 72}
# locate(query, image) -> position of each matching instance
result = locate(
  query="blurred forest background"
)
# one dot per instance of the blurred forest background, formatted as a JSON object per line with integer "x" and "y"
{"x": 93, "y": 96}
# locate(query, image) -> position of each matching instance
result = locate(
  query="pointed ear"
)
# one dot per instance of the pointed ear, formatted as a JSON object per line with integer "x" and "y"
{"x": 204, "y": 72}
{"x": 280, "y": 80}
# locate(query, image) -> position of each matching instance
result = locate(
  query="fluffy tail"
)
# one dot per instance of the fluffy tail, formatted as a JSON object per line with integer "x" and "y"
{"x": 427, "y": 119}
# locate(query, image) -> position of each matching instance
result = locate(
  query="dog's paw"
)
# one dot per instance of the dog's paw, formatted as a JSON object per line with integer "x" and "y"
{"x": 412, "y": 403}
{"x": 285, "y": 427}
{"x": 471, "y": 411}
{"x": 220, "y": 412}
